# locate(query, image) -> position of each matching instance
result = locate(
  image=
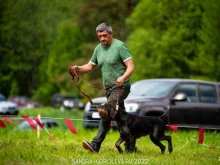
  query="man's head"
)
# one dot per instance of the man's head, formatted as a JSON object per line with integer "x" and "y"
{"x": 104, "y": 33}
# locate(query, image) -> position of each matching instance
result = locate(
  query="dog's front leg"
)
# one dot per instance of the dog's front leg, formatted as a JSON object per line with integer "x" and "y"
{"x": 117, "y": 144}
{"x": 132, "y": 144}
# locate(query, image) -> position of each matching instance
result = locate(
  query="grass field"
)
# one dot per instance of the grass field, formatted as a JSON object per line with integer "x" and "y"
{"x": 23, "y": 147}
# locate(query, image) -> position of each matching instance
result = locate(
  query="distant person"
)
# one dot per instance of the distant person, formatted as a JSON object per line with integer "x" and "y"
{"x": 115, "y": 62}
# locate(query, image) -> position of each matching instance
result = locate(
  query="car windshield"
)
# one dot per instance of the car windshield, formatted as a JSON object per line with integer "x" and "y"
{"x": 2, "y": 98}
{"x": 152, "y": 88}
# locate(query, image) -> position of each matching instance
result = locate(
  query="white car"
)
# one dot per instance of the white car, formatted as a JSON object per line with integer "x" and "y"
{"x": 7, "y": 107}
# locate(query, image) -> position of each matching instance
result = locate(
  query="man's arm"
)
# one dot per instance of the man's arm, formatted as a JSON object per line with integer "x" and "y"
{"x": 89, "y": 67}
{"x": 130, "y": 69}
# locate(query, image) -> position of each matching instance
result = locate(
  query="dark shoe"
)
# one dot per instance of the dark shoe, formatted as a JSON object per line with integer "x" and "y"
{"x": 90, "y": 147}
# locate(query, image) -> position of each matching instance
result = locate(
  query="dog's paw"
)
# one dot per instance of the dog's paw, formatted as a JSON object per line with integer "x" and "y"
{"x": 170, "y": 150}
{"x": 120, "y": 152}
{"x": 163, "y": 150}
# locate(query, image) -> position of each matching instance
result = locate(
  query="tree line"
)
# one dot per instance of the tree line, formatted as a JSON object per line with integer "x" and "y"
{"x": 41, "y": 39}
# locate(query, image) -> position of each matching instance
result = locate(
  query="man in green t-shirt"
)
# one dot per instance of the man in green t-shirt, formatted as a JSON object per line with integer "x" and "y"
{"x": 114, "y": 59}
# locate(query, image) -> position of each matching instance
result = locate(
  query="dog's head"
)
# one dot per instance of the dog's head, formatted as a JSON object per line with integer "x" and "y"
{"x": 107, "y": 110}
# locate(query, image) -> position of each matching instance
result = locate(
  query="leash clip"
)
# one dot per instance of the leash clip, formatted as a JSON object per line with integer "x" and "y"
{"x": 116, "y": 107}
{"x": 118, "y": 95}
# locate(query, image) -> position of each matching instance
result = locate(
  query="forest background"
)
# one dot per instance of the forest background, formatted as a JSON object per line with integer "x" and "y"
{"x": 40, "y": 39}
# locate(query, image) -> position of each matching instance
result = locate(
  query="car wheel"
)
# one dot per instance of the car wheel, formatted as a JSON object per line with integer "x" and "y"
{"x": 15, "y": 113}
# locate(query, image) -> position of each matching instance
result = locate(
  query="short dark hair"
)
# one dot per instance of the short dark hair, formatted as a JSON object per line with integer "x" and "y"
{"x": 104, "y": 26}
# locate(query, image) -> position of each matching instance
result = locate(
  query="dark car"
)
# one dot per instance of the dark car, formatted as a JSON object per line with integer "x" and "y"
{"x": 66, "y": 101}
{"x": 7, "y": 107}
{"x": 191, "y": 103}
{"x": 24, "y": 102}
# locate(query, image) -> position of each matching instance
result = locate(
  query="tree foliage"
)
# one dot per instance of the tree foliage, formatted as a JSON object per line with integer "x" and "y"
{"x": 28, "y": 30}
{"x": 175, "y": 39}
{"x": 41, "y": 39}
{"x": 208, "y": 57}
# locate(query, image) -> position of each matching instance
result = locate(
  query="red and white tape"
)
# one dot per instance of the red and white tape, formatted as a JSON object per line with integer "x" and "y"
{"x": 39, "y": 123}
{"x": 73, "y": 130}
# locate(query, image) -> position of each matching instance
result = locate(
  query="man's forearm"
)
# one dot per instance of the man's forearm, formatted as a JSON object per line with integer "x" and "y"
{"x": 130, "y": 69}
{"x": 128, "y": 73}
{"x": 85, "y": 68}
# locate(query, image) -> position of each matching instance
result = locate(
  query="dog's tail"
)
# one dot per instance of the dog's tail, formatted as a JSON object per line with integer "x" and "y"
{"x": 165, "y": 114}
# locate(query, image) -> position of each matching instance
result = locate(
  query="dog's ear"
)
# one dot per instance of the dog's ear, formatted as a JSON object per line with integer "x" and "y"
{"x": 113, "y": 113}
{"x": 111, "y": 108}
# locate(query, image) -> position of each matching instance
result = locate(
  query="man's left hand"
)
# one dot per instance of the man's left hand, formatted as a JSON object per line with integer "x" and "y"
{"x": 120, "y": 81}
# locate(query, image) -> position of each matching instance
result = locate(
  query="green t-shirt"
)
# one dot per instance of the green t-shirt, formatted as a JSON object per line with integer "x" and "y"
{"x": 111, "y": 61}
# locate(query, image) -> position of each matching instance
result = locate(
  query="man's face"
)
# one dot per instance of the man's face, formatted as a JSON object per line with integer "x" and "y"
{"x": 105, "y": 38}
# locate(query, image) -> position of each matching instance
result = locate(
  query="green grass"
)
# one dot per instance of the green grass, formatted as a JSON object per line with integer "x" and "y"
{"x": 23, "y": 147}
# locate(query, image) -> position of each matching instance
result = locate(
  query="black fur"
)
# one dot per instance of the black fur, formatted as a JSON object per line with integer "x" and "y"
{"x": 132, "y": 127}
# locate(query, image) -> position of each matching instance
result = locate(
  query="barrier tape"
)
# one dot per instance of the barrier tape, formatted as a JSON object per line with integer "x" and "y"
{"x": 38, "y": 122}
{"x": 30, "y": 122}
{"x": 50, "y": 136}
{"x": 74, "y": 131}
{"x": 201, "y": 135}
{"x": 206, "y": 145}
{"x": 8, "y": 119}
{"x": 70, "y": 126}
{"x": 19, "y": 118}
{"x": 201, "y": 132}
{"x": 2, "y": 124}
{"x": 173, "y": 127}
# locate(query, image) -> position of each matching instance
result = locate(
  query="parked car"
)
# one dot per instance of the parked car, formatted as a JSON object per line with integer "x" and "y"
{"x": 66, "y": 101}
{"x": 191, "y": 103}
{"x": 24, "y": 102}
{"x": 7, "y": 107}
{"x": 48, "y": 123}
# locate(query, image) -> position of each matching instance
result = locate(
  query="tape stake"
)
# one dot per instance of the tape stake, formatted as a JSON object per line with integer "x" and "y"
{"x": 30, "y": 122}
{"x": 38, "y": 122}
{"x": 39, "y": 125}
{"x": 201, "y": 135}
{"x": 2, "y": 124}
{"x": 51, "y": 137}
{"x": 173, "y": 127}
{"x": 8, "y": 119}
{"x": 212, "y": 147}
{"x": 70, "y": 126}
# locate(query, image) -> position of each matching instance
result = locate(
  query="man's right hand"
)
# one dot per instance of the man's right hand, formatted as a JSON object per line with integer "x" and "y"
{"x": 73, "y": 70}
{"x": 74, "y": 67}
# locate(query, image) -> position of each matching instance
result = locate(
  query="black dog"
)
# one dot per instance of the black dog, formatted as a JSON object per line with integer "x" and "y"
{"x": 132, "y": 127}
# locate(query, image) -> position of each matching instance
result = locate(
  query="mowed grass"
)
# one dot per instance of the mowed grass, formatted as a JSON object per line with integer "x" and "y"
{"x": 23, "y": 147}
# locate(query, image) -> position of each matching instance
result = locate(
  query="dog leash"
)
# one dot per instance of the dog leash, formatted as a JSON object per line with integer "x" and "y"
{"x": 73, "y": 73}
{"x": 118, "y": 95}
